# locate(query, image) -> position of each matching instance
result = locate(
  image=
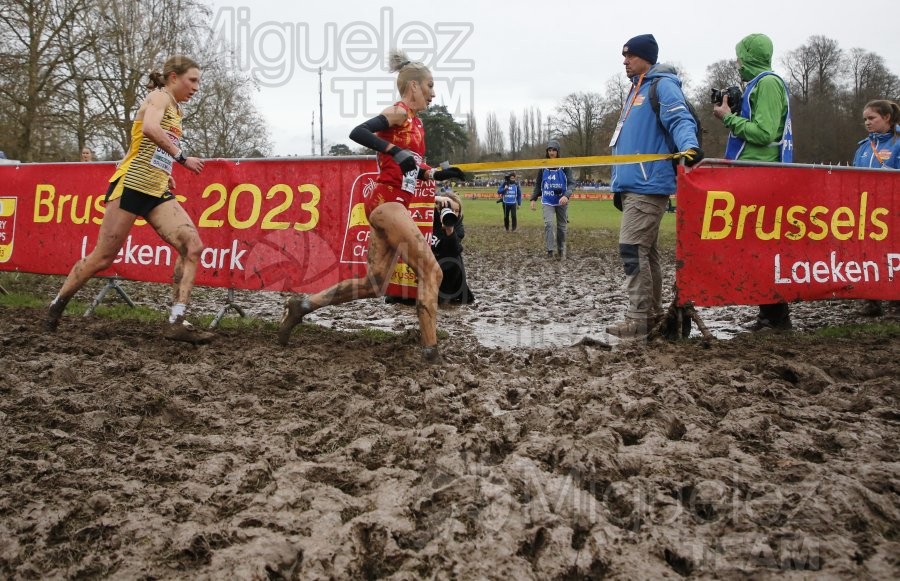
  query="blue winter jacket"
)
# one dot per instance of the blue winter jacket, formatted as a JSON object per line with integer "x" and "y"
{"x": 641, "y": 133}
{"x": 888, "y": 147}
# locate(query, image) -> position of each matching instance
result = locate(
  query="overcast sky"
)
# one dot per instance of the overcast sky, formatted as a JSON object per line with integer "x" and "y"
{"x": 500, "y": 57}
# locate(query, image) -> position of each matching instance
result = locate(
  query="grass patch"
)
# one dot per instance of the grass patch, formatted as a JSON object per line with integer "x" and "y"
{"x": 21, "y": 300}
{"x": 593, "y": 225}
{"x": 884, "y": 329}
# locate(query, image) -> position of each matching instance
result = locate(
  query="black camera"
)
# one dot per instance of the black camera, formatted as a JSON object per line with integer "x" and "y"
{"x": 734, "y": 97}
{"x": 448, "y": 217}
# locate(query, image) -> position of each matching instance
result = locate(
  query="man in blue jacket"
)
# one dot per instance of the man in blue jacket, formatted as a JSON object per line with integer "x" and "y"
{"x": 510, "y": 193}
{"x": 643, "y": 189}
{"x": 554, "y": 188}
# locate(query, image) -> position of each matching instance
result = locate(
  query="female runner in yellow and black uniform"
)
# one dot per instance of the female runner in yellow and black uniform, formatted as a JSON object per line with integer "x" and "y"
{"x": 141, "y": 186}
{"x": 399, "y": 138}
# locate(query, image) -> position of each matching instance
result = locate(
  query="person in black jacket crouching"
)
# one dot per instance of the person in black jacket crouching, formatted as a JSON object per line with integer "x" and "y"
{"x": 446, "y": 244}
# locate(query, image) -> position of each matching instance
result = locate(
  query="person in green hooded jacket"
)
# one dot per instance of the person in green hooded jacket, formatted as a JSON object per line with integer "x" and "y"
{"x": 761, "y": 131}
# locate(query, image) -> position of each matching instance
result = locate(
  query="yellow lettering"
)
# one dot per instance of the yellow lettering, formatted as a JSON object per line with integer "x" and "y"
{"x": 73, "y": 212}
{"x": 775, "y": 234}
{"x": 310, "y": 207}
{"x": 876, "y": 223}
{"x": 815, "y": 221}
{"x": 863, "y": 203}
{"x": 842, "y": 223}
{"x": 63, "y": 198}
{"x": 43, "y": 199}
{"x": 256, "y": 203}
{"x": 792, "y": 219}
{"x": 100, "y": 208}
{"x": 710, "y": 212}
{"x": 742, "y": 219}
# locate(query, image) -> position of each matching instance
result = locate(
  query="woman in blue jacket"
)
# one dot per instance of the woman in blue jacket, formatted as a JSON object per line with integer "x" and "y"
{"x": 881, "y": 149}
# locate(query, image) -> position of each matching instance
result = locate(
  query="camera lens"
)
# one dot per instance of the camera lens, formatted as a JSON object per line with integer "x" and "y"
{"x": 448, "y": 217}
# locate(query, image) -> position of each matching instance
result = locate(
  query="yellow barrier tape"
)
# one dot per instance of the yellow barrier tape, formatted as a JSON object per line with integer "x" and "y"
{"x": 563, "y": 162}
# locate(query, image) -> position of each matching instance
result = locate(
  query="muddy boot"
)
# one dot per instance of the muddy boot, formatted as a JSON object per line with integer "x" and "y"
{"x": 629, "y": 329}
{"x": 54, "y": 314}
{"x": 294, "y": 311}
{"x": 870, "y": 308}
{"x": 181, "y": 330}
{"x": 431, "y": 355}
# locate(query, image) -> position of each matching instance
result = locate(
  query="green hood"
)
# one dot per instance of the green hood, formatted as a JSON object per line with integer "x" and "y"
{"x": 755, "y": 52}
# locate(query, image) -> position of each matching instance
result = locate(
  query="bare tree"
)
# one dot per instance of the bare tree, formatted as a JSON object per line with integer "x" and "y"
{"x": 869, "y": 78}
{"x": 493, "y": 138}
{"x": 527, "y": 128}
{"x": 579, "y": 119}
{"x": 829, "y": 63}
{"x": 473, "y": 145}
{"x": 515, "y": 135}
{"x": 225, "y": 122}
{"x": 32, "y": 63}
{"x": 800, "y": 64}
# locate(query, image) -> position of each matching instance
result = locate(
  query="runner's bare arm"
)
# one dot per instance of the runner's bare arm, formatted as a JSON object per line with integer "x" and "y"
{"x": 155, "y": 108}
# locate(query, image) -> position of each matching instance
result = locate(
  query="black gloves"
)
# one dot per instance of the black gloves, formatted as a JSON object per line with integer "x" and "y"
{"x": 404, "y": 158}
{"x": 451, "y": 173}
{"x": 692, "y": 156}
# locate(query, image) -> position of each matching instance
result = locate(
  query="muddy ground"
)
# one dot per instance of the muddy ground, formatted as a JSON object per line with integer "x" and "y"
{"x": 539, "y": 449}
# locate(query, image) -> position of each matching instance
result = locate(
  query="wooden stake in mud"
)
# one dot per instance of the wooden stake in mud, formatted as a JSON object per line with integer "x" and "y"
{"x": 681, "y": 318}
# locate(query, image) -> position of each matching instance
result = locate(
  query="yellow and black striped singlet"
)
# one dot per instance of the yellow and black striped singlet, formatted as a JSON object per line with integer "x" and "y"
{"x": 147, "y": 168}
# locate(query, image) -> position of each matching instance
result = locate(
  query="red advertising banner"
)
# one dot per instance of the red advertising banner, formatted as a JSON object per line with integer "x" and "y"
{"x": 279, "y": 225}
{"x": 765, "y": 234}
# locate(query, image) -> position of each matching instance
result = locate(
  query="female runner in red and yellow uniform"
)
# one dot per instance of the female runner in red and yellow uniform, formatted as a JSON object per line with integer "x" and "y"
{"x": 141, "y": 186}
{"x": 399, "y": 138}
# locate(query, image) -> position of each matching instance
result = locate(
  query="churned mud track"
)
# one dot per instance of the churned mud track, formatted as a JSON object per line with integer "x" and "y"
{"x": 343, "y": 457}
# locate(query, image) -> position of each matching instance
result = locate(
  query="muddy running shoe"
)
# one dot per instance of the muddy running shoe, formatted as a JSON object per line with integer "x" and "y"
{"x": 181, "y": 330}
{"x": 870, "y": 309}
{"x": 628, "y": 329}
{"x": 294, "y": 311}
{"x": 431, "y": 354}
{"x": 54, "y": 314}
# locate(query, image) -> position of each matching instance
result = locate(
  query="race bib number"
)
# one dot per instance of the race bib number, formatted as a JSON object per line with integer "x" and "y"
{"x": 409, "y": 181}
{"x": 163, "y": 160}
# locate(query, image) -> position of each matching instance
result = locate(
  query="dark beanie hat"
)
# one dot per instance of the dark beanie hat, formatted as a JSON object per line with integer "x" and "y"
{"x": 644, "y": 46}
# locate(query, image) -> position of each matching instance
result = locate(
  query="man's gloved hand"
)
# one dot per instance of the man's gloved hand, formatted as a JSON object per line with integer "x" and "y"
{"x": 451, "y": 173}
{"x": 404, "y": 158}
{"x": 691, "y": 157}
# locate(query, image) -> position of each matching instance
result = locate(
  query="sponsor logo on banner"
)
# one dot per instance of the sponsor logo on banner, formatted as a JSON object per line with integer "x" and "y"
{"x": 355, "y": 249}
{"x": 7, "y": 227}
